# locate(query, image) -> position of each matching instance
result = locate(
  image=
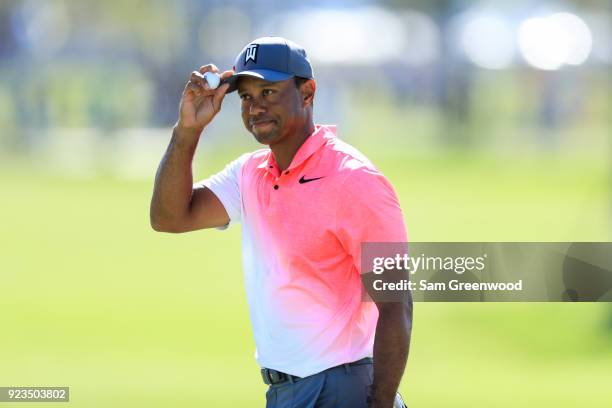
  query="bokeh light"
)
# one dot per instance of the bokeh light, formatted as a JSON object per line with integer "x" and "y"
{"x": 549, "y": 42}
{"x": 367, "y": 35}
{"x": 488, "y": 41}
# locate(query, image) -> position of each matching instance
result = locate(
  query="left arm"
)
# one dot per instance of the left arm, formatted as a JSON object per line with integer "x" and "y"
{"x": 367, "y": 195}
{"x": 391, "y": 346}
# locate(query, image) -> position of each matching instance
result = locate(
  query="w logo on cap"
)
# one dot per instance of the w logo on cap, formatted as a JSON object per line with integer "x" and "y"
{"x": 251, "y": 53}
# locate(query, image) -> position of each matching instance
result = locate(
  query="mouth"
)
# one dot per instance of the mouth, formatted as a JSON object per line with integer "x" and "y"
{"x": 258, "y": 124}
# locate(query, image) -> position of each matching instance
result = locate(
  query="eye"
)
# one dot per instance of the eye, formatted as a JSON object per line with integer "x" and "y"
{"x": 267, "y": 92}
{"x": 245, "y": 97}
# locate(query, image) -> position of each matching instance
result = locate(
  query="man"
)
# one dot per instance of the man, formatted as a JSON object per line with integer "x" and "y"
{"x": 305, "y": 203}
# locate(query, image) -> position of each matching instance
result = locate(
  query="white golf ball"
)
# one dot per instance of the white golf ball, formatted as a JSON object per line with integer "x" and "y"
{"x": 212, "y": 79}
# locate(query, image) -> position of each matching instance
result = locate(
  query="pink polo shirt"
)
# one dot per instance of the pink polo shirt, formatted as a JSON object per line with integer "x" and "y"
{"x": 302, "y": 231}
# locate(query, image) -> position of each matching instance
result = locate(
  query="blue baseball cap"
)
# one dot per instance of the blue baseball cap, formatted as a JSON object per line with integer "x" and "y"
{"x": 271, "y": 59}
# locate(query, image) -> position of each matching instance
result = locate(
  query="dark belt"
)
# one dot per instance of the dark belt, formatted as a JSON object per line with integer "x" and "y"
{"x": 273, "y": 377}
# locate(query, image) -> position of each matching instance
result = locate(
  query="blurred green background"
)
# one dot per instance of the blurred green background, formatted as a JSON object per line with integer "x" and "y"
{"x": 480, "y": 146}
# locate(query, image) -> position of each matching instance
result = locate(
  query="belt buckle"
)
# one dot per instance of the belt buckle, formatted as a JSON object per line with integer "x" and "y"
{"x": 272, "y": 376}
{"x": 266, "y": 376}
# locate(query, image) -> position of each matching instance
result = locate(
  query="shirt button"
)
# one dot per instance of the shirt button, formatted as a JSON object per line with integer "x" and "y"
{"x": 276, "y": 186}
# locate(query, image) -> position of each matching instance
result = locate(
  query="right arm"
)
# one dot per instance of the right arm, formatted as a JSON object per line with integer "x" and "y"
{"x": 175, "y": 205}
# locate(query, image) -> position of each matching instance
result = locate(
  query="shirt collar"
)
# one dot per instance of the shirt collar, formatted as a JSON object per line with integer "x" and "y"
{"x": 318, "y": 138}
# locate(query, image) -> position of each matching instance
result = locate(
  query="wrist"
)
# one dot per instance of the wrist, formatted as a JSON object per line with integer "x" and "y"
{"x": 184, "y": 131}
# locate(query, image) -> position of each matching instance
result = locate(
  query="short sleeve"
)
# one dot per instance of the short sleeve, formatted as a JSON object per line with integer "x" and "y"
{"x": 368, "y": 211}
{"x": 226, "y": 186}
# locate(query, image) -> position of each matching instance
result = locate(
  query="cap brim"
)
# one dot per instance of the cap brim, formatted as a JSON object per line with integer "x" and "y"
{"x": 265, "y": 74}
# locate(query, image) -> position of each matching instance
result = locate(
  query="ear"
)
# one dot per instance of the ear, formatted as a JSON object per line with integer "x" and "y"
{"x": 307, "y": 90}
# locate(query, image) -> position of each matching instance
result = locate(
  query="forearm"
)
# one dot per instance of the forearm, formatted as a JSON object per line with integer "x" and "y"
{"x": 174, "y": 179}
{"x": 391, "y": 347}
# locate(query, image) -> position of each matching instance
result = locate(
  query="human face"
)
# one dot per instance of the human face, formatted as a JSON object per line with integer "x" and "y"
{"x": 271, "y": 111}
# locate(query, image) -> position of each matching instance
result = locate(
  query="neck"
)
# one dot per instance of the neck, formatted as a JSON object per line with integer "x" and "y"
{"x": 285, "y": 150}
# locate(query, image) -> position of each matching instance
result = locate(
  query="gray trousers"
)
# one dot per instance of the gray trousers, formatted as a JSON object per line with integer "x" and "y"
{"x": 338, "y": 387}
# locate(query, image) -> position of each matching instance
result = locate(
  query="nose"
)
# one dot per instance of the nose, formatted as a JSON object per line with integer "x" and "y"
{"x": 256, "y": 107}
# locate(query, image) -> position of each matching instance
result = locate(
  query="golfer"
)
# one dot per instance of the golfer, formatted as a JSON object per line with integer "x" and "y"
{"x": 305, "y": 202}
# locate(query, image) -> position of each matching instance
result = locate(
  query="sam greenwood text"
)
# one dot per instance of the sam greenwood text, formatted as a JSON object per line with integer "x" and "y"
{"x": 424, "y": 285}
